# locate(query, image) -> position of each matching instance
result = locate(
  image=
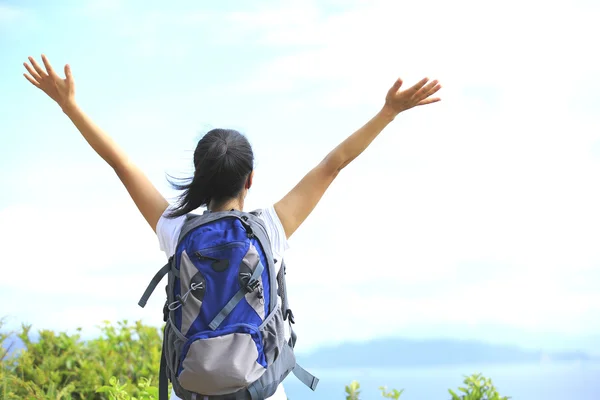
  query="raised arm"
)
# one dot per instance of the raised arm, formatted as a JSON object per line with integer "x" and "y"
{"x": 145, "y": 196}
{"x": 297, "y": 205}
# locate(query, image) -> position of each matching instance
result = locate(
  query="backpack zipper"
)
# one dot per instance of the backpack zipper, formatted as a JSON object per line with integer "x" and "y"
{"x": 202, "y": 253}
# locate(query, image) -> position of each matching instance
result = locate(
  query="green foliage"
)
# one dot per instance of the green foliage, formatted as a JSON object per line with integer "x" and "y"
{"x": 62, "y": 366}
{"x": 116, "y": 391}
{"x": 353, "y": 391}
{"x": 477, "y": 388}
{"x": 122, "y": 364}
{"x": 393, "y": 394}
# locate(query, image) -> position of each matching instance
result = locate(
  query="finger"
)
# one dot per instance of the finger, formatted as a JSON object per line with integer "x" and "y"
{"x": 429, "y": 101}
{"x": 396, "y": 86}
{"x": 426, "y": 90}
{"x": 48, "y": 66}
{"x": 37, "y": 67}
{"x": 417, "y": 86}
{"x": 433, "y": 90}
{"x": 68, "y": 74}
{"x": 32, "y": 72}
{"x": 33, "y": 81}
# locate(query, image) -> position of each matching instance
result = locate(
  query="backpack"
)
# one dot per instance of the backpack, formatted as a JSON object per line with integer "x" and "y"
{"x": 224, "y": 332}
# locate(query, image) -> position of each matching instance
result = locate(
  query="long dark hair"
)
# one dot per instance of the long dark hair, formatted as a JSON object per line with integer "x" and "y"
{"x": 223, "y": 161}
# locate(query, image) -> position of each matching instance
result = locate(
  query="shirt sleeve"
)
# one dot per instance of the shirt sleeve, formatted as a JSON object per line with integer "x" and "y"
{"x": 167, "y": 231}
{"x": 275, "y": 231}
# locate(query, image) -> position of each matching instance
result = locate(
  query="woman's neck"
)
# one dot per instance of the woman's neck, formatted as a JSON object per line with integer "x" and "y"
{"x": 233, "y": 204}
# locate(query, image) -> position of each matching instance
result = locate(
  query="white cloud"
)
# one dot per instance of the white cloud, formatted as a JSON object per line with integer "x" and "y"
{"x": 65, "y": 248}
{"x": 480, "y": 209}
{"x": 523, "y": 303}
{"x": 69, "y": 267}
{"x": 514, "y": 46}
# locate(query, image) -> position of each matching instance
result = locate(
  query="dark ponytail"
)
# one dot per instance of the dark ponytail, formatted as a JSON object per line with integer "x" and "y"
{"x": 223, "y": 160}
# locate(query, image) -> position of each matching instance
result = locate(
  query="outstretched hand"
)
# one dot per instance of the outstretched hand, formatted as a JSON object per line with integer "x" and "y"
{"x": 60, "y": 90}
{"x": 420, "y": 94}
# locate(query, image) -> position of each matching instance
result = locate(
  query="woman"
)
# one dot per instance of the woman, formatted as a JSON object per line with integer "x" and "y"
{"x": 224, "y": 162}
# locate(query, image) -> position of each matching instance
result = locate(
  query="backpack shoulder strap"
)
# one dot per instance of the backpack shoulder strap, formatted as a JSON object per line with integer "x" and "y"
{"x": 191, "y": 221}
{"x": 256, "y": 213}
{"x": 282, "y": 291}
{"x": 304, "y": 376}
{"x": 260, "y": 232}
{"x": 168, "y": 267}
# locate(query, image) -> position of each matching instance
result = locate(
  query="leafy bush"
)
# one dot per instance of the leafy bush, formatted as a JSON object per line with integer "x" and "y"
{"x": 117, "y": 391}
{"x": 353, "y": 391}
{"x": 393, "y": 394}
{"x": 62, "y": 366}
{"x": 122, "y": 364}
{"x": 477, "y": 388}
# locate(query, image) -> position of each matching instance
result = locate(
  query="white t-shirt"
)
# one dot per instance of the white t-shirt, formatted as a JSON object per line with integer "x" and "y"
{"x": 168, "y": 230}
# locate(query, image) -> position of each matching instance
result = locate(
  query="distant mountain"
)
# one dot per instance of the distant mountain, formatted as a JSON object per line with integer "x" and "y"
{"x": 383, "y": 353}
{"x": 403, "y": 352}
{"x": 503, "y": 334}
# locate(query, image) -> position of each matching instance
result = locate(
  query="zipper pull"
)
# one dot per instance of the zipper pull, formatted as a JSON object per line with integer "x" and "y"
{"x": 203, "y": 257}
{"x": 217, "y": 264}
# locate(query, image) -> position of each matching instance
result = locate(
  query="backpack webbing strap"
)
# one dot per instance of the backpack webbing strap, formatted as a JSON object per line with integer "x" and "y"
{"x": 163, "y": 380}
{"x": 235, "y": 299}
{"x": 305, "y": 377}
{"x": 282, "y": 292}
{"x": 254, "y": 395}
{"x": 154, "y": 282}
{"x": 293, "y": 337}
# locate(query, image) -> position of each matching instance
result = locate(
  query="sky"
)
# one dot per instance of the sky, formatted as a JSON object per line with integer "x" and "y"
{"x": 476, "y": 217}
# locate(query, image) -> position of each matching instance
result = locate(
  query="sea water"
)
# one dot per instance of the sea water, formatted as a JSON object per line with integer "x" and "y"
{"x": 552, "y": 381}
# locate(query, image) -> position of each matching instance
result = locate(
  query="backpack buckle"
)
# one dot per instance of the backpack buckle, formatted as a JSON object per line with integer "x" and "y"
{"x": 252, "y": 285}
{"x": 247, "y": 227}
{"x": 166, "y": 311}
{"x": 261, "y": 294}
{"x": 289, "y": 315}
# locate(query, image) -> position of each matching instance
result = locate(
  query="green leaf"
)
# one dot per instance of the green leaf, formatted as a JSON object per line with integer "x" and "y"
{"x": 152, "y": 391}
